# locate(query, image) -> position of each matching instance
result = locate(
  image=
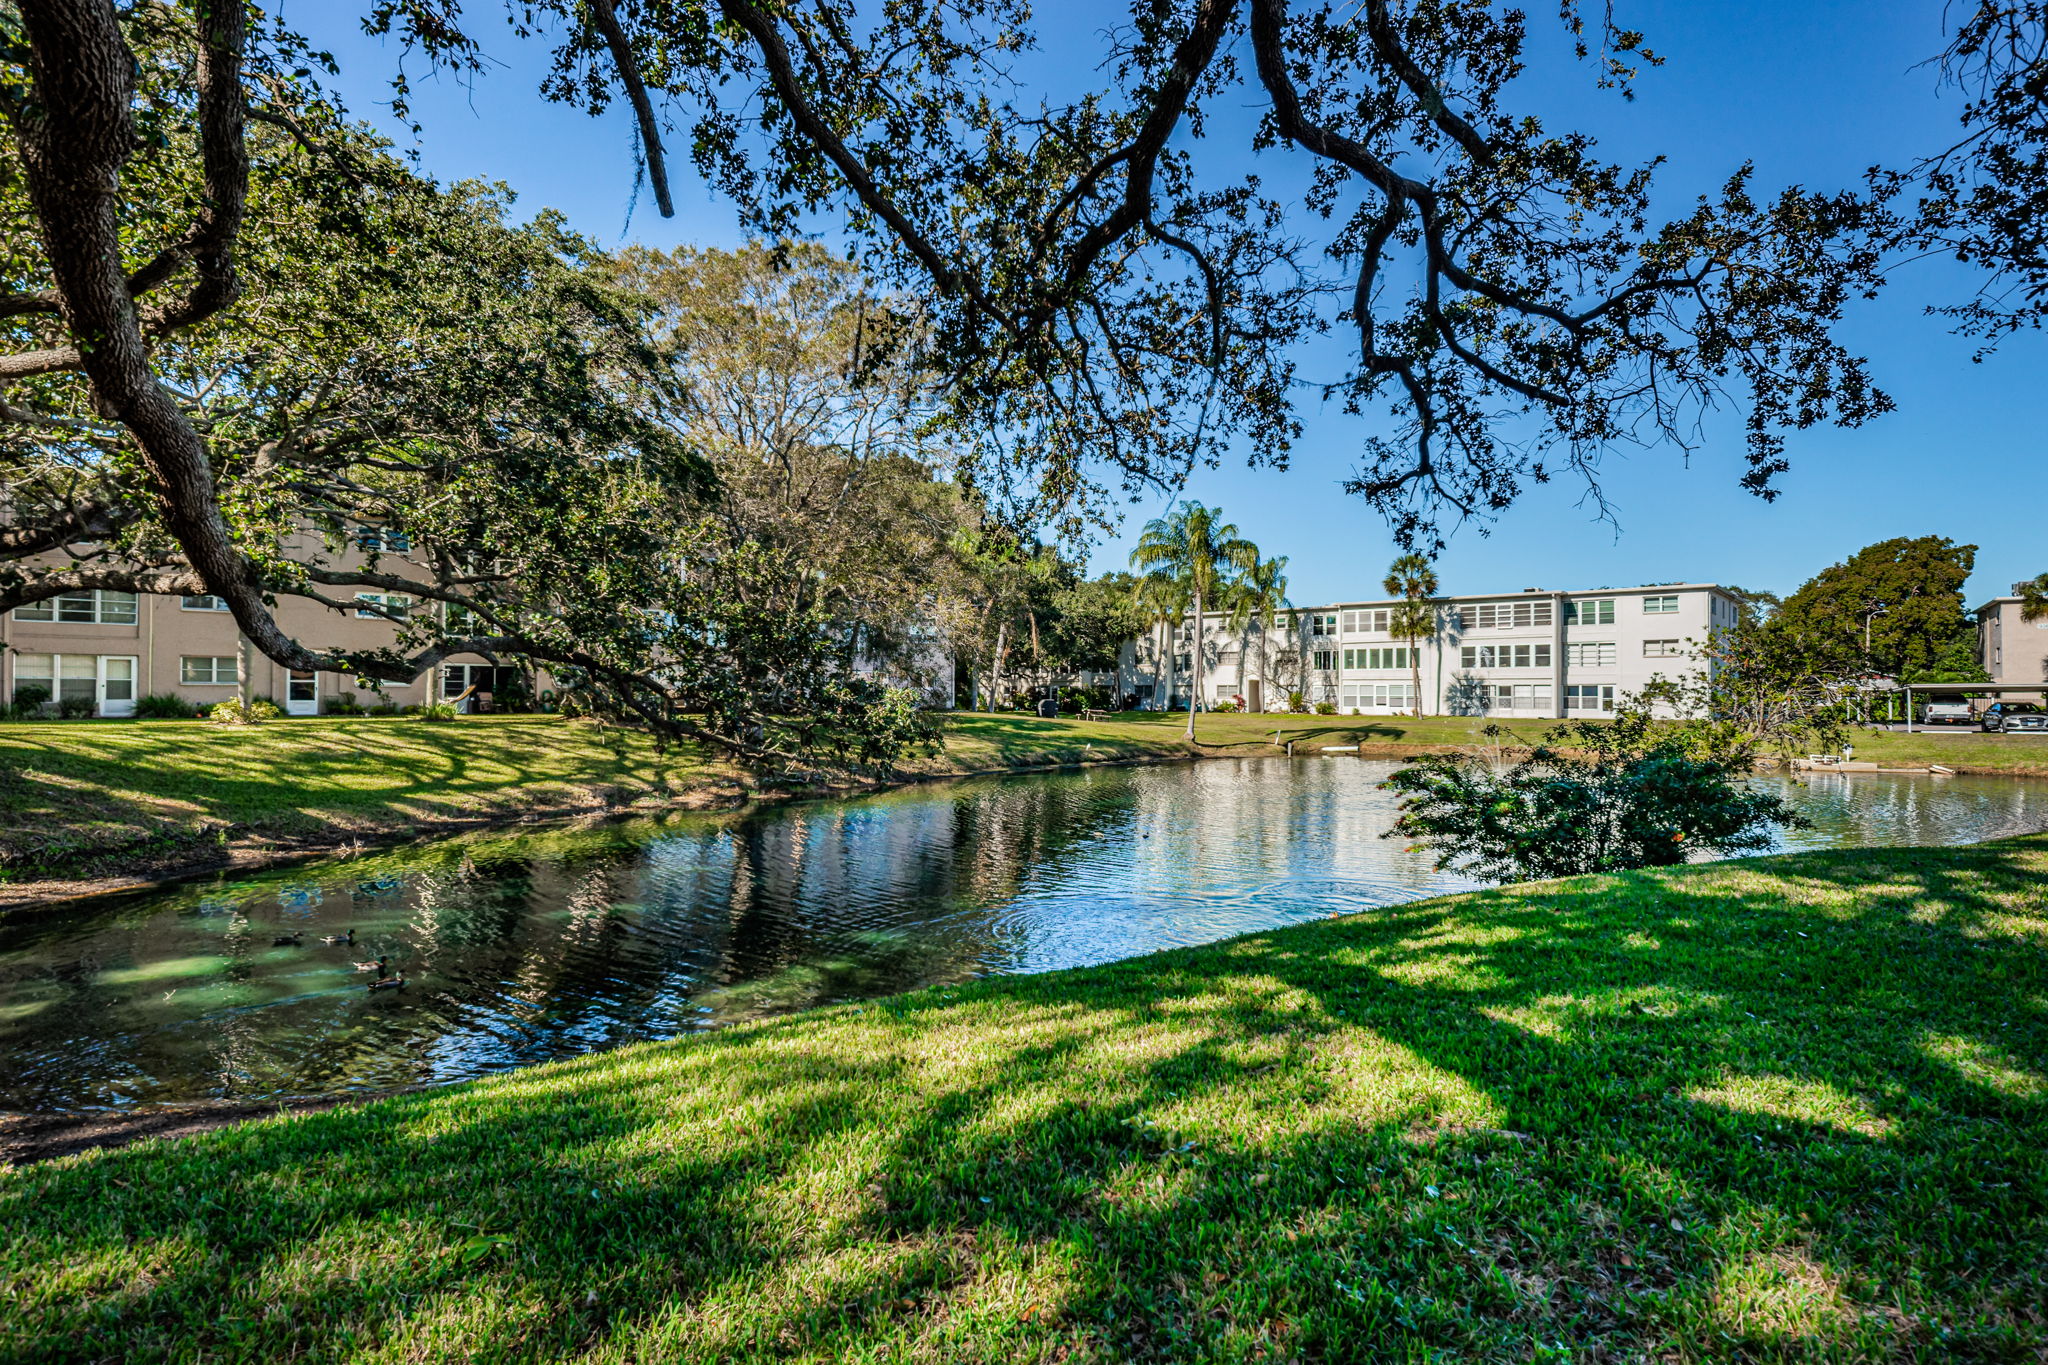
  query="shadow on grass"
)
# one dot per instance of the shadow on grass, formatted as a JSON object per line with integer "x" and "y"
{"x": 1784, "y": 1109}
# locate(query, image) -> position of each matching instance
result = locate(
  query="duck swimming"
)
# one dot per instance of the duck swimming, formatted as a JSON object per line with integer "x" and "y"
{"x": 346, "y": 940}
{"x": 288, "y": 940}
{"x": 380, "y": 966}
{"x": 389, "y": 983}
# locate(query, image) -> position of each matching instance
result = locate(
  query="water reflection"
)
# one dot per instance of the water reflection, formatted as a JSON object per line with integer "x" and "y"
{"x": 533, "y": 947}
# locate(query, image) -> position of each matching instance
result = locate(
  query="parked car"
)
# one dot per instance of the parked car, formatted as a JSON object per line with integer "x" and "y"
{"x": 2015, "y": 718}
{"x": 1947, "y": 713}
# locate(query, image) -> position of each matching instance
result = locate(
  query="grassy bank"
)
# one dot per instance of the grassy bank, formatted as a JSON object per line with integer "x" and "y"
{"x": 88, "y": 800}
{"x": 1790, "y": 1108}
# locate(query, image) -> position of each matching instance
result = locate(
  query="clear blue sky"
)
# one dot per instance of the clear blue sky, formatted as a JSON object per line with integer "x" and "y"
{"x": 1812, "y": 92}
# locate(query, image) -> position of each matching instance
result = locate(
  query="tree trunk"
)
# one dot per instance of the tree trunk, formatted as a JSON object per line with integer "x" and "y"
{"x": 1195, "y": 668}
{"x": 1415, "y": 671}
{"x": 995, "y": 670}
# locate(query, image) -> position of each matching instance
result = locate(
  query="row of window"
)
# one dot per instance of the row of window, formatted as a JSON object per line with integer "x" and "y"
{"x": 1358, "y": 696}
{"x": 105, "y": 607}
{"x": 1378, "y": 658}
{"x": 1504, "y": 656}
{"x": 1590, "y": 654}
{"x": 1522, "y": 615}
{"x": 77, "y": 677}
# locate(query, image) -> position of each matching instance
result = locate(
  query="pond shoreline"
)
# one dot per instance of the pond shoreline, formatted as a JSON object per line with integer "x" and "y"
{"x": 158, "y": 864}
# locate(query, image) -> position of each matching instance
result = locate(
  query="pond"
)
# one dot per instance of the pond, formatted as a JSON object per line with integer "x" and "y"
{"x": 519, "y": 949}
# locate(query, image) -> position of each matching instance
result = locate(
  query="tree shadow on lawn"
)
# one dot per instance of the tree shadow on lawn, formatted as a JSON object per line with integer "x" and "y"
{"x": 1756, "y": 1120}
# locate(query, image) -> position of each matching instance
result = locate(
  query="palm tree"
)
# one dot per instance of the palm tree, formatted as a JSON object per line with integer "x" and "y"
{"x": 1161, "y": 601}
{"x": 1411, "y": 579}
{"x": 2034, "y": 598}
{"x": 1258, "y": 599}
{"x": 1195, "y": 549}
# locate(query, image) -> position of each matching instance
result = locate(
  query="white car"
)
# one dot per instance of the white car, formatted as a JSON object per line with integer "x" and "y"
{"x": 1947, "y": 713}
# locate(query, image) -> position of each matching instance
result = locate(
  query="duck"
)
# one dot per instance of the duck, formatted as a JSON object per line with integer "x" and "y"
{"x": 389, "y": 983}
{"x": 288, "y": 940}
{"x": 380, "y": 966}
{"x": 347, "y": 940}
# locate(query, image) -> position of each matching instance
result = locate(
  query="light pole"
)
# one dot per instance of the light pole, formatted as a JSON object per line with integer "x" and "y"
{"x": 1871, "y": 611}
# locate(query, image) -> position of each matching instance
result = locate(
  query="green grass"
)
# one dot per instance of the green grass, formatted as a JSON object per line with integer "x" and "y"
{"x": 1784, "y": 1109}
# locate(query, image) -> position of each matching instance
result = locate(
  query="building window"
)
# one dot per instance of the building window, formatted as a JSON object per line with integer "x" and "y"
{"x": 1591, "y": 654}
{"x": 1661, "y": 606}
{"x": 86, "y": 607}
{"x": 1595, "y": 613}
{"x": 1661, "y": 649}
{"x": 1326, "y": 658}
{"x": 1508, "y": 615}
{"x": 1376, "y": 658}
{"x": 202, "y": 604}
{"x": 206, "y": 670}
{"x": 1375, "y": 696}
{"x": 1522, "y": 696}
{"x": 1504, "y": 656}
{"x": 1368, "y": 619}
{"x": 394, "y": 604}
{"x": 1592, "y": 697}
{"x": 384, "y": 539}
{"x": 104, "y": 682}
{"x": 1322, "y": 625}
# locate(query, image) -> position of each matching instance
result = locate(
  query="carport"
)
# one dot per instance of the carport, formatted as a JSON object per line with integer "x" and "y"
{"x": 1973, "y": 689}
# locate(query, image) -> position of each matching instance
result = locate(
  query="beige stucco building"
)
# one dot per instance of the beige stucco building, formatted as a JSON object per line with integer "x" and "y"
{"x": 2012, "y": 650}
{"x": 115, "y": 648}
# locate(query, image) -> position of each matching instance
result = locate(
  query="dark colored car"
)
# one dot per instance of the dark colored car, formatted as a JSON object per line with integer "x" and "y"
{"x": 2015, "y": 718}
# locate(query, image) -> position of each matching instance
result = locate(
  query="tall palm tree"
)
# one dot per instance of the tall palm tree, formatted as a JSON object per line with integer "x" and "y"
{"x": 1194, "y": 547}
{"x": 1161, "y": 601}
{"x": 1256, "y": 600}
{"x": 1411, "y": 579}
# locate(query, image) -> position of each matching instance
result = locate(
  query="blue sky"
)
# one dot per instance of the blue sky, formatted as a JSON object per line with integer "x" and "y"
{"x": 1812, "y": 92}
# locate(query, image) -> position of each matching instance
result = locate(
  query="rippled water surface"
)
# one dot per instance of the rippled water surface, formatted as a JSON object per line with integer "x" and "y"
{"x": 521, "y": 949}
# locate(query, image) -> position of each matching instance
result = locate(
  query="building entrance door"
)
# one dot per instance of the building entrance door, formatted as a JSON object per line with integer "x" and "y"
{"x": 302, "y": 694}
{"x": 1254, "y": 694}
{"x": 116, "y": 685}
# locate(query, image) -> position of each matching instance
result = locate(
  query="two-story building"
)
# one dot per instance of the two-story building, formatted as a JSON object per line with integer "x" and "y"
{"x": 1533, "y": 653}
{"x": 113, "y": 648}
{"x": 2012, "y": 649}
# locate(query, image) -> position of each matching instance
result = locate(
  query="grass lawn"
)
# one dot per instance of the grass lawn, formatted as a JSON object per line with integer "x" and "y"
{"x": 1790, "y": 1108}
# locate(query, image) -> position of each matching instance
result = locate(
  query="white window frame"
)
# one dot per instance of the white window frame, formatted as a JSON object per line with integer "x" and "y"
{"x": 1589, "y": 697}
{"x": 110, "y": 708}
{"x": 1664, "y": 604}
{"x": 1663, "y": 649}
{"x": 1596, "y": 611}
{"x": 396, "y": 602}
{"x": 50, "y": 611}
{"x": 202, "y": 602}
{"x": 1590, "y": 654}
{"x": 215, "y": 680}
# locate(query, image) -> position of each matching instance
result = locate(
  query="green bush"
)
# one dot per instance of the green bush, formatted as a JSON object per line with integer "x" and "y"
{"x": 30, "y": 698}
{"x": 343, "y": 705}
{"x": 1614, "y": 796}
{"x": 233, "y": 712}
{"x": 1296, "y": 703}
{"x": 77, "y": 708}
{"x": 1224, "y": 708}
{"x": 436, "y": 711}
{"x": 165, "y": 706}
{"x": 1326, "y": 708}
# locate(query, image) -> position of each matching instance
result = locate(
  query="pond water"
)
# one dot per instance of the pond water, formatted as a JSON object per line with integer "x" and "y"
{"x": 525, "y": 948}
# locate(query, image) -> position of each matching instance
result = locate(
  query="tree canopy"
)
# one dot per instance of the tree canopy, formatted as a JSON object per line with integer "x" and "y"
{"x": 1909, "y": 593}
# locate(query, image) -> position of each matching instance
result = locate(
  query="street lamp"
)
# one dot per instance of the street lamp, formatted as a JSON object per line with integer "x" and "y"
{"x": 1871, "y": 611}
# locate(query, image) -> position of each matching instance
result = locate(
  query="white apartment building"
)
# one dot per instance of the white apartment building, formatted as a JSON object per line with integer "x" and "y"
{"x": 1535, "y": 653}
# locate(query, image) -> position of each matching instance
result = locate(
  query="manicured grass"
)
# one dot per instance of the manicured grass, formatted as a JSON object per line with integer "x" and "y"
{"x": 73, "y": 789}
{"x": 1785, "y": 1109}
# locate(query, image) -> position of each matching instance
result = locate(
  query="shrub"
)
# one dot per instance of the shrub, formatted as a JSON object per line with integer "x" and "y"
{"x": 1623, "y": 797}
{"x": 1224, "y": 708}
{"x": 344, "y": 704}
{"x": 1296, "y": 703}
{"x": 76, "y": 708}
{"x": 165, "y": 706}
{"x": 1326, "y": 708}
{"x": 30, "y": 698}
{"x": 385, "y": 708}
{"x": 436, "y": 711}
{"x": 233, "y": 712}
